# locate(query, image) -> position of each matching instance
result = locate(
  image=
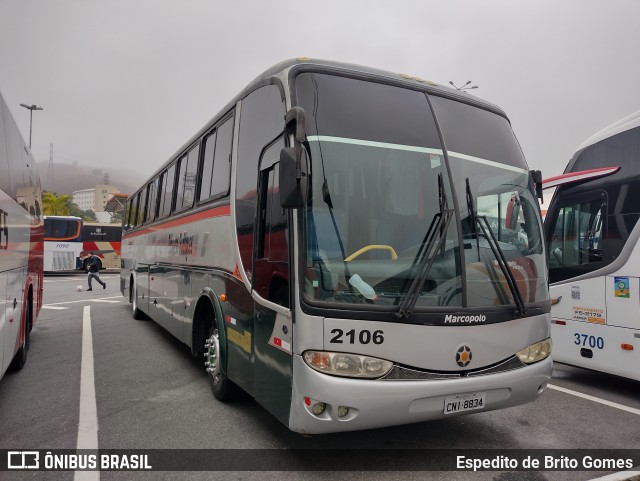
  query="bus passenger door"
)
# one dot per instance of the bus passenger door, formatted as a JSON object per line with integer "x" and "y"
{"x": 272, "y": 330}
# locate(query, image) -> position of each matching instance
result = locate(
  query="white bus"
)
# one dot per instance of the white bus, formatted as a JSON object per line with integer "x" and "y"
{"x": 21, "y": 244}
{"x": 62, "y": 242}
{"x": 592, "y": 232}
{"x": 322, "y": 249}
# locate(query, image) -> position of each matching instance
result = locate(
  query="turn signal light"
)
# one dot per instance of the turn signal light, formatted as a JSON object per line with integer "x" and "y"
{"x": 627, "y": 347}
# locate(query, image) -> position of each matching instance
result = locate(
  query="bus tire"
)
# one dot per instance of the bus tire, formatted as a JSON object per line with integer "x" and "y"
{"x": 20, "y": 358}
{"x": 223, "y": 389}
{"x": 136, "y": 313}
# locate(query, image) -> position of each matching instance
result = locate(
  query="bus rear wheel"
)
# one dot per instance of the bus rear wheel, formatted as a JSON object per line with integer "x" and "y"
{"x": 223, "y": 389}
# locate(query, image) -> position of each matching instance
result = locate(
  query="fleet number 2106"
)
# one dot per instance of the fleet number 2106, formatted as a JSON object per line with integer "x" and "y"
{"x": 351, "y": 336}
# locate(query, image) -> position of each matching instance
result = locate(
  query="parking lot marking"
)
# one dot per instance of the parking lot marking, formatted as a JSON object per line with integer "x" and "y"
{"x": 55, "y": 308}
{"x": 88, "y": 421}
{"x": 596, "y": 399}
{"x": 85, "y": 300}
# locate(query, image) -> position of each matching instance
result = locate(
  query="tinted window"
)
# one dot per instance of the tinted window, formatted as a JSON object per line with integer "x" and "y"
{"x": 187, "y": 179}
{"x": 141, "y": 206}
{"x": 262, "y": 119}
{"x": 397, "y": 116}
{"x": 477, "y": 132}
{"x": 61, "y": 228}
{"x": 222, "y": 165}
{"x": 207, "y": 166}
{"x": 620, "y": 150}
{"x": 152, "y": 204}
{"x": 167, "y": 189}
{"x": 101, "y": 233}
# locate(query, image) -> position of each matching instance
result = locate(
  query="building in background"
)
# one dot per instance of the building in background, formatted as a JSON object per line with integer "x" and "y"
{"x": 95, "y": 199}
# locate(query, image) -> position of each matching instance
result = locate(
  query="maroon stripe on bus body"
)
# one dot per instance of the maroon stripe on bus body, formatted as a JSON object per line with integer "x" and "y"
{"x": 222, "y": 211}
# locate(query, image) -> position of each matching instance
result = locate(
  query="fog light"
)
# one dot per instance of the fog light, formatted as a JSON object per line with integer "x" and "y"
{"x": 318, "y": 408}
{"x": 342, "y": 411}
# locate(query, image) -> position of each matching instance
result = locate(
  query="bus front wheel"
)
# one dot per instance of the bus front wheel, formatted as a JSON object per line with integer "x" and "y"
{"x": 223, "y": 389}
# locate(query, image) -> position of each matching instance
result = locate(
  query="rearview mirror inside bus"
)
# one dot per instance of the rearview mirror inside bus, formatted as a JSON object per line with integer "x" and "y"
{"x": 292, "y": 177}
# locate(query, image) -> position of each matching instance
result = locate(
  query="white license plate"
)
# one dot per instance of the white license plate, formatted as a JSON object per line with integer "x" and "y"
{"x": 464, "y": 402}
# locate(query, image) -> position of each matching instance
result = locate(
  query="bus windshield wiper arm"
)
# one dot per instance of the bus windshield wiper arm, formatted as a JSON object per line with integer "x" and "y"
{"x": 432, "y": 242}
{"x": 488, "y": 234}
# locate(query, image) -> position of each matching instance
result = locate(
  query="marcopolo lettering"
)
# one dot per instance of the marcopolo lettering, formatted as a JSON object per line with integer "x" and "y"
{"x": 451, "y": 319}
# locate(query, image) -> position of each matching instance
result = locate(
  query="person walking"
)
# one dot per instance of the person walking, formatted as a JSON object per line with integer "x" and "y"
{"x": 93, "y": 268}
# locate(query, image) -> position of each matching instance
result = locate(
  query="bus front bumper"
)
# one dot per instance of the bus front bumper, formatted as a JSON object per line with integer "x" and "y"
{"x": 377, "y": 403}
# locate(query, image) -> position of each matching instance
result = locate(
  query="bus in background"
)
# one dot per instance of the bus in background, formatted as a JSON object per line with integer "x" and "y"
{"x": 62, "y": 242}
{"x": 68, "y": 240}
{"x": 21, "y": 243}
{"x": 104, "y": 241}
{"x": 592, "y": 232}
{"x": 322, "y": 250}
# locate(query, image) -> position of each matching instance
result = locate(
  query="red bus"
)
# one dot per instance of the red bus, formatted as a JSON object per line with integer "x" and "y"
{"x": 21, "y": 243}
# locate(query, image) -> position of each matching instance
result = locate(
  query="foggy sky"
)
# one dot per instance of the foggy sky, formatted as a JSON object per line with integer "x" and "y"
{"x": 125, "y": 83}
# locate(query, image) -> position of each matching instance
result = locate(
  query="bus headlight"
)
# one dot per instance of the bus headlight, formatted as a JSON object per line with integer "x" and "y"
{"x": 536, "y": 352}
{"x": 347, "y": 365}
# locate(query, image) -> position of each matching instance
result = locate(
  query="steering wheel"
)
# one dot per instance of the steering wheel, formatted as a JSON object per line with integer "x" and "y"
{"x": 371, "y": 247}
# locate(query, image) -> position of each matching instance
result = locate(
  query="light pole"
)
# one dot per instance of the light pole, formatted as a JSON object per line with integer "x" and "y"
{"x": 464, "y": 87}
{"x": 31, "y": 108}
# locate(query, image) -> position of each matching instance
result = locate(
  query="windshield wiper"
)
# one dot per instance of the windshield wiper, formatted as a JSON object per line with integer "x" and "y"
{"x": 431, "y": 244}
{"x": 490, "y": 237}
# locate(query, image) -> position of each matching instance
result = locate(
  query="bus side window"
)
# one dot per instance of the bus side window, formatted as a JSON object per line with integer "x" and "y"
{"x": 207, "y": 167}
{"x": 142, "y": 202}
{"x": 166, "y": 202}
{"x": 222, "y": 164}
{"x": 216, "y": 162}
{"x": 152, "y": 204}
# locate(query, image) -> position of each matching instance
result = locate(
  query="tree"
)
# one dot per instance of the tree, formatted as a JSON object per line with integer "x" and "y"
{"x": 54, "y": 204}
{"x": 89, "y": 216}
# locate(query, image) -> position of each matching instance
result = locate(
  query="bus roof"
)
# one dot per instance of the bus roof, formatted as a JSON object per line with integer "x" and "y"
{"x": 288, "y": 66}
{"x": 629, "y": 122}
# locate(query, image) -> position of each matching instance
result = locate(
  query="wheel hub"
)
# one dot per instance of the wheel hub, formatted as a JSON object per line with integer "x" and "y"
{"x": 211, "y": 354}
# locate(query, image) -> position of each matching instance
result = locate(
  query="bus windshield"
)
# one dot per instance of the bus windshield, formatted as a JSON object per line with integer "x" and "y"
{"x": 374, "y": 193}
{"x": 61, "y": 228}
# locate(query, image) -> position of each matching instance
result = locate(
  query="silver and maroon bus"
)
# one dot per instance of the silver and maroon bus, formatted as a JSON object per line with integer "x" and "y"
{"x": 354, "y": 248}
{"x": 21, "y": 243}
{"x": 592, "y": 233}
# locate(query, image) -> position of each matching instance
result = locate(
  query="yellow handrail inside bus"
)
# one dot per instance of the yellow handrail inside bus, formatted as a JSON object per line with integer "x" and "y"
{"x": 370, "y": 247}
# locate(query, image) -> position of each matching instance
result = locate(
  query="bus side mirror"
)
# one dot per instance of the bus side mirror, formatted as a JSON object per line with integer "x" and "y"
{"x": 536, "y": 175}
{"x": 512, "y": 214}
{"x": 292, "y": 177}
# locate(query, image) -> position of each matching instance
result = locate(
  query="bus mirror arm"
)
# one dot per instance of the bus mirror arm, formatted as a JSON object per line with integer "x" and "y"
{"x": 294, "y": 122}
{"x": 536, "y": 175}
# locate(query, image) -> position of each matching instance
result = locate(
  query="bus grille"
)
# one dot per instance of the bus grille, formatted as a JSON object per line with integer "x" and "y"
{"x": 404, "y": 373}
{"x": 63, "y": 261}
